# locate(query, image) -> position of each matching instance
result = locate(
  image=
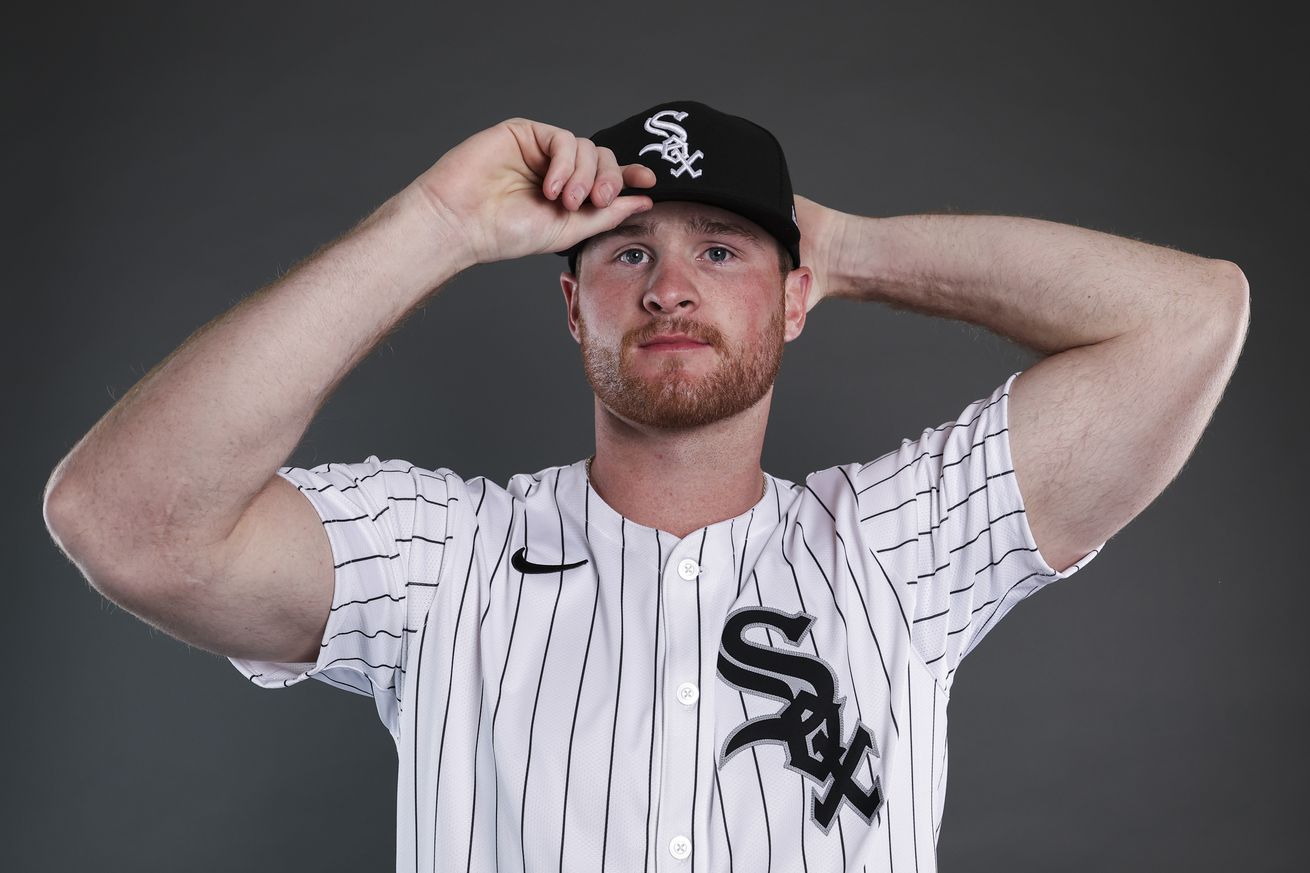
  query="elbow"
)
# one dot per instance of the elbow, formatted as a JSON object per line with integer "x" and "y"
{"x": 68, "y": 527}
{"x": 1234, "y": 295}
{"x": 1232, "y": 283}
{"x": 81, "y": 533}
{"x": 57, "y": 509}
{"x": 70, "y": 533}
{"x": 1220, "y": 327}
{"x": 125, "y": 553}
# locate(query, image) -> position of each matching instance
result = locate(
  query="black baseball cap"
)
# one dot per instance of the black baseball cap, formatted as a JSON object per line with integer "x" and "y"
{"x": 706, "y": 156}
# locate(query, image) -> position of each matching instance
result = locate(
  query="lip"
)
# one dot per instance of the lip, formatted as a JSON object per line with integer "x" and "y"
{"x": 673, "y": 342}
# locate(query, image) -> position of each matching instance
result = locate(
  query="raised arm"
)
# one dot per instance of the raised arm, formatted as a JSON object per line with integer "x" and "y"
{"x": 1139, "y": 340}
{"x": 171, "y": 505}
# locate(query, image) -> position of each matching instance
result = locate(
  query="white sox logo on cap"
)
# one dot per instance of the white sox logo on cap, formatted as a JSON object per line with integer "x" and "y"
{"x": 673, "y": 148}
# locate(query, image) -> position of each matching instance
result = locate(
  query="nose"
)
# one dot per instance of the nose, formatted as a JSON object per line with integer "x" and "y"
{"x": 671, "y": 290}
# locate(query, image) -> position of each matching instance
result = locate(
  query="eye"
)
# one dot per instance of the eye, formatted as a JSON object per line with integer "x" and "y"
{"x": 623, "y": 256}
{"x": 718, "y": 254}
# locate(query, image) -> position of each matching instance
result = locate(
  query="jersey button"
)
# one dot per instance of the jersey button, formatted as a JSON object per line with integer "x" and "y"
{"x": 688, "y": 569}
{"x": 680, "y": 847}
{"x": 688, "y": 693}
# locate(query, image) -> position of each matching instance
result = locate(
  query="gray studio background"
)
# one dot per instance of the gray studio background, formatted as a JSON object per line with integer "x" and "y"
{"x": 166, "y": 160}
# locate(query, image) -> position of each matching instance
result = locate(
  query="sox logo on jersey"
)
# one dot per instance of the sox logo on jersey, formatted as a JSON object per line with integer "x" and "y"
{"x": 809, "y": 726}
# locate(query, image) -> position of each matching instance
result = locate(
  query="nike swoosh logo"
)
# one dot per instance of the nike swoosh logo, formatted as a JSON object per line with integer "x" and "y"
{"x": 521, "y": 563}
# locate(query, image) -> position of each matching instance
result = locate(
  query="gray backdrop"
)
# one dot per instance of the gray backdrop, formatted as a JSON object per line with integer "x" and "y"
{"x": 164, "y": 162}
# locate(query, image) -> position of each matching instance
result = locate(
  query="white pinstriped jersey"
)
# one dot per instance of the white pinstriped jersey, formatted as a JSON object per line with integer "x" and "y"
{"x": 768, "y": 693}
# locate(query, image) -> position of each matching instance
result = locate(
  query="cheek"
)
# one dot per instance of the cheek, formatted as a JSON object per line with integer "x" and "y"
{"x": 763, "y": 311}
{"x": 595, "y": 329}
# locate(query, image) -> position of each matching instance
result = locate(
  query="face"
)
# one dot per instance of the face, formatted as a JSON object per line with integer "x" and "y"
{"x": 682, "y": 313}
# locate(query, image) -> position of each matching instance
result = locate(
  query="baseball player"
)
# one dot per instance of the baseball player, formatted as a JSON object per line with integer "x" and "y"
{"x": 658, "y": 658}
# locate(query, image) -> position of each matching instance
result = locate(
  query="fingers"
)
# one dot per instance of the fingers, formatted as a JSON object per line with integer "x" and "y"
{"x": 579, "y": 172}
{"x": 609, "y": 178}
{"x": 582, "y": 182}
{"x": 560, "y": 147}
{"x": 575, "y": 171}
{"x": 638, "y": 176}
{"x": 593, "y": 220}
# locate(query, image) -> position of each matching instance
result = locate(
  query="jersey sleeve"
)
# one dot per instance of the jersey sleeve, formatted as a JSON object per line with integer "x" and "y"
{"x": 386, "y": 522}
{"x": 975, "y": 556}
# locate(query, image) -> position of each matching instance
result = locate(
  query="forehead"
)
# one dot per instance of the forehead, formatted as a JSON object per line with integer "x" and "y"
{"x": 680, "y": 217}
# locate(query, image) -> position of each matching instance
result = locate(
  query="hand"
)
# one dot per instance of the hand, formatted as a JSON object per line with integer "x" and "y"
{"x": 523, "y": 187}
{"x": 821, "y": 237}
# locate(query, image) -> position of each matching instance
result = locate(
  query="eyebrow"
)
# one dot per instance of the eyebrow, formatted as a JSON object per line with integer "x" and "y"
{"x": 696, "y": 224}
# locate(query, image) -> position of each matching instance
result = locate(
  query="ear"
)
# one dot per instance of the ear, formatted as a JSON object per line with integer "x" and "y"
{"x": 797, "y": 288}
{"x": 568, "y": 283}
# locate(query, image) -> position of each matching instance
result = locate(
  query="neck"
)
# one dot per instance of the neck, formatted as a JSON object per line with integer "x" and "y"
{"x": 680, "y": 480}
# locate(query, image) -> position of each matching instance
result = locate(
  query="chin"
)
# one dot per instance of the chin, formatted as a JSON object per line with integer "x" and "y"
{"x": 679, "y": 403}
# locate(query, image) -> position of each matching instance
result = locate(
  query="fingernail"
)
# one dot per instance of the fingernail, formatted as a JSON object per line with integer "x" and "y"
{"x": 606, "y": 194}
{"x": 555, "y": 186}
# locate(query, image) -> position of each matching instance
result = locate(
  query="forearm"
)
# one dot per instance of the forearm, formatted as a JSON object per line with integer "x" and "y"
{"x": 1046, "y": 286}
{"x": 176, "y": 461}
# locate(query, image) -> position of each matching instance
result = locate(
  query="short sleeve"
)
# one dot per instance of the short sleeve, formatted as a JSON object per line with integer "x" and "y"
{"x": 386, "y": 523}
{"x": 975, "y": 555}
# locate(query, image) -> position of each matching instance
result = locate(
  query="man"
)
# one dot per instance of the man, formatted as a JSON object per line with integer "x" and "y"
{"x": 664, "y": 658}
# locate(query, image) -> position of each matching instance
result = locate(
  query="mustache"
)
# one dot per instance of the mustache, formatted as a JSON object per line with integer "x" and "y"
{"x": 704, "y": 333}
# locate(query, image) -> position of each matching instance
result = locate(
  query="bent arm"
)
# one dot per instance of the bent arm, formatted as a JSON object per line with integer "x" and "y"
{"x": 165, "y": 476}
{"x": 171, "y": 505}
{"x": 1138, "y": 341}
